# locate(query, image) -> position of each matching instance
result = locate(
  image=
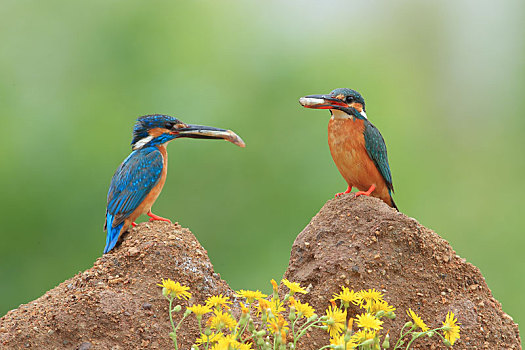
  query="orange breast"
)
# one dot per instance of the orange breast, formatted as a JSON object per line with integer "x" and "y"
{"x": 152, "y": 196}
{"x": 347, "y": 146}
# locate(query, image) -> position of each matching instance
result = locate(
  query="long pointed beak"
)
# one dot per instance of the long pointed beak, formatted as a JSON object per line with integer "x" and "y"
{"x": 209, "y": 132}
{"x": 321, "y": 102}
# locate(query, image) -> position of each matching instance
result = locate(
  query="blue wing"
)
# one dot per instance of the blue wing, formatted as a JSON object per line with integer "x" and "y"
{"x": 376, "y": 149}
{"x": 132, "y": 182}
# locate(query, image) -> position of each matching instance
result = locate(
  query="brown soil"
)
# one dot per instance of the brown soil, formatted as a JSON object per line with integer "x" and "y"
{"x": 116, "y": 304}
{"x": 364, "y": 244}
{"x": 357, "y": 243}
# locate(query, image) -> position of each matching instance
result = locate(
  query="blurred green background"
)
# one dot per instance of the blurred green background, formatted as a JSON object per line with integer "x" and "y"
{"x": 443, "y": 81}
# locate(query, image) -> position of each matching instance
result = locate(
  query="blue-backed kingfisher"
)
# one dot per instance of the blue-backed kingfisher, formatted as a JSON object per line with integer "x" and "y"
{"x": 356, "y": 145}
{"x": 138, "y": 181}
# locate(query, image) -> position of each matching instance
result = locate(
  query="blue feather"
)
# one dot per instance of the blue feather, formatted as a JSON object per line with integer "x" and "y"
{"x": 113, "y": 233}
{"x": 376, "y": 149}
{"x": 133, "y": 180}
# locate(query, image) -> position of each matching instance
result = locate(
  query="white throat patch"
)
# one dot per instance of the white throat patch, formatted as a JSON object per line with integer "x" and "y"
{"x": 337, "y": 114}
{"x": 140, "y": 143}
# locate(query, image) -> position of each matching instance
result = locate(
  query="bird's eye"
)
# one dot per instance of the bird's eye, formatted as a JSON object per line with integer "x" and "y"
{"x": 349, "y": 99}
{"x": 169, "y": 125}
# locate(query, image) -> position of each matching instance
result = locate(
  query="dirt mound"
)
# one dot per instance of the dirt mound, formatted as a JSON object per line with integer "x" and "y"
{"x": 364, "y": 244}
{"x": 357, "y": 243}
{"x": 116, "y": 304}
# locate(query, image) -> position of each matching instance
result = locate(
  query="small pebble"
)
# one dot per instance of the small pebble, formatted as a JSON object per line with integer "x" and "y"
{"x": 84, "y": 346}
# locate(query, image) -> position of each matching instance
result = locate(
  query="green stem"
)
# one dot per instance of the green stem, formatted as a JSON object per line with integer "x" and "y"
{"x": 401, "y": 336}
{"x": 306, "y": 325}
{"x": 412, "y": 340}
{"x": 293, "y": 332}
{"x": 199, "y": 319}
{"x": 176, "y": 328}
{"x": 436, "y": 332}
{"x": 326, "y": 347}
{"x": 304, "y": 328}
{"x": 180, "y": 322}
{"x": 422, "y": 334}
{"x": 243, "y": 328}
{"x": 173, "y": 324}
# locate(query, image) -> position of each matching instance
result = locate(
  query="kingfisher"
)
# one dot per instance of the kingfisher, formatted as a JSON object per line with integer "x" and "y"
{"x": 138, "y": 181}
{"x": 357, "y": 147}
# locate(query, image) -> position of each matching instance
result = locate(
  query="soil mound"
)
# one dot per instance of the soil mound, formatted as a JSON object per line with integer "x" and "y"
{"x": 362, "y": 244}
{"x": 116, "y": 304}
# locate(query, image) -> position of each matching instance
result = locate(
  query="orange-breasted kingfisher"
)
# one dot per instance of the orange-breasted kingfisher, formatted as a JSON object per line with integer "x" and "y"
{"x": 356, "y": 145}
{"x": 138, "y": 181}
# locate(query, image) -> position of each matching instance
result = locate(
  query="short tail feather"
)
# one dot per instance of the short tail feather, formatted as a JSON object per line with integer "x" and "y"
{"x": 113, "y": 233}
{"x": 392, "y": 200}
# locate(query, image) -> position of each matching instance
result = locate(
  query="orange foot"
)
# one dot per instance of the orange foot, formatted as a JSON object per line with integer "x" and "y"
{"x": 157, "y": 218}
{"x": 348, "y": 190}
{"x": 133, "y": 224}
{"x": 367, "y": 193}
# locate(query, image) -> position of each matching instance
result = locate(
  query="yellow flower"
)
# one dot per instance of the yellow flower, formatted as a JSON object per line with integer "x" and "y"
{"x": 274, "y": 284}
{"x": 199, "y": 310}
{"x": 294, "y": 287}
{"x": 417, "y": 320}
{"x": 221, "y": 320}
{"x": 348, "y": 296}
{"x": 250, "y": 295}
{"x": 263, "y": 305}
{"x": 276, "y": 325}
{"x": 175, "y": 288}
{"x": 213, "y": 338}
{"x": 336, "y": 320}
{"x": 229, "y": 343}
{"x": 276, "y": 306}
{"x": 273, "y": 326}
{"x": 340, "y": 340}
{"x": 304, "y": 309}
{"x": 381, "y": 306}
{"x": 217, "y": 301}
{"x": 367, "y": 296}
{"x": 283, "y": 336}
{"x": 362, "y": 335}
{"x": 244, "y": 309}
{"x": 368, "y": 321}
{"x": 450, "y": 328}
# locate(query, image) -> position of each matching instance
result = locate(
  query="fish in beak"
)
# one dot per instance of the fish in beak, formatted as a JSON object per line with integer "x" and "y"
{"x": 321, "y": 102}
{"x": 209, "y": 132}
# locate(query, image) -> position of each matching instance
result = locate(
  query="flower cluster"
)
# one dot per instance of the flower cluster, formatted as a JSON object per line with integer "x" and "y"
{"x": 370, "y": 323}
{"x": 275, "y": 323}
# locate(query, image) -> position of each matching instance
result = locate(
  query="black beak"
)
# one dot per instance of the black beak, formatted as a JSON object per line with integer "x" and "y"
{"x": 209, "y": 132}
{"x": 321, "y": 102}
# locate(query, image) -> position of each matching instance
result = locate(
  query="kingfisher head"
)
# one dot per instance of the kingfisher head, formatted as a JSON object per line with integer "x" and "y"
{"x": 342, "y": 103}
{"x": 157, "y": 129}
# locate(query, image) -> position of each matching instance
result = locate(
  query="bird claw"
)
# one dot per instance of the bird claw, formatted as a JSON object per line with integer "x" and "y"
{"x": 154, "y": 217}
{"x": 348, "y": 190}
{"x": 160, "y": 219}
{"x": 361, "y": 193}
{"x": 365, "y": 193}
